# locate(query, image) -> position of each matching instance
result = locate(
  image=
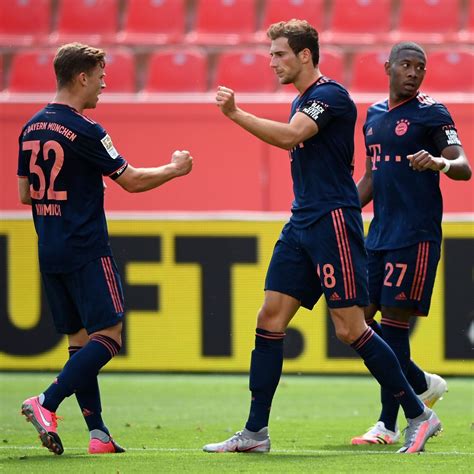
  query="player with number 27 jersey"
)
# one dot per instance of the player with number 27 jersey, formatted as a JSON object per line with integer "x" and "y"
{"x": 407, "y": 206}
{"x": 65, "y": 156}
{"x": 404, "y": 237}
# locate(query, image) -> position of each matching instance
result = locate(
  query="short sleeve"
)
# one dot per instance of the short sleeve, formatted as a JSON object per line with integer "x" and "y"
{"x": 441, "y": 127}
{"x": 326, "y": 102}
{"x": 97, "y": 147}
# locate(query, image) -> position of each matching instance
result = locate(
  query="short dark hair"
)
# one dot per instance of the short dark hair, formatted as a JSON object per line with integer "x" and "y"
{"x": 403, "y": 46}
{"x": 73, "y": 58}
{"x": 300, "y": 35}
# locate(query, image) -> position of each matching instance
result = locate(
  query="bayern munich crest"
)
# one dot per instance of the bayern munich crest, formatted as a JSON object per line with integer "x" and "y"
{"x": 402, "y": 127}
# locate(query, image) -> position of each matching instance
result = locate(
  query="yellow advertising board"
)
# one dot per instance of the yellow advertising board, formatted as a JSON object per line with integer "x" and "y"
{"x": 192, "y": 291}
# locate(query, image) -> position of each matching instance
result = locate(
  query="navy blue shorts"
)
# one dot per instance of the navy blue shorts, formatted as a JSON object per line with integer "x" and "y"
{"x": 89, "y": 298}
{"x": 328, "y": 257}
{"x": 404, "y": 278}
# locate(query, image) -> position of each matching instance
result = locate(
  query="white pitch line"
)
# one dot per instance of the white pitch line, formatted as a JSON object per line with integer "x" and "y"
{"x": 275, "y": 451}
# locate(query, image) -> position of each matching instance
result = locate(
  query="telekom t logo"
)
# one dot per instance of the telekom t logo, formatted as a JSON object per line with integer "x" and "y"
{"x": 375, "y": 149}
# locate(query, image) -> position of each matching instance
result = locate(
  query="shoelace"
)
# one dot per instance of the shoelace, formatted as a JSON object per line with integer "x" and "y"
{"x": 55, "y": 418}
{"x": 412, "y": 435}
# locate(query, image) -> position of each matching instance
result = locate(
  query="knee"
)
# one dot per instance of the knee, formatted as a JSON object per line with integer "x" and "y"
{"x": 268, "y": 318}
{"x": 114, "y": 332}
{"x": 345, "y": 335}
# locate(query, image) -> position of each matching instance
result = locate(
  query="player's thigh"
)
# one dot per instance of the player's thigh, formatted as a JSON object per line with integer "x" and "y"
{"x": 99, "y": 289}
{"x": 409, "y": 276}
{"x": 336, "y": 245}
{"x": 61, "y": 302}
{"x": 291, "y": 270}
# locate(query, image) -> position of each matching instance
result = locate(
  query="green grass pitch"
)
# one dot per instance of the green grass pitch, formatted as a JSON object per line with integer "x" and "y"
{"x": 164, "y": 420}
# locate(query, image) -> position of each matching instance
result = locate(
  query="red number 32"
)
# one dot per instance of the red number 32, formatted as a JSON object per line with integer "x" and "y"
{"x": 58, "y": 153}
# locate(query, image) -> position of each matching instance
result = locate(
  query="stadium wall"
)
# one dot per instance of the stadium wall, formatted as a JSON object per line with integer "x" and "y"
{"x": 232, "y": 169}
{"x": 193, "y": 278}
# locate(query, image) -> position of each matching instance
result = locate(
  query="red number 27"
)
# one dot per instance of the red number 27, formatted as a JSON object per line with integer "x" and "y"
{"x": 58, "y": 153}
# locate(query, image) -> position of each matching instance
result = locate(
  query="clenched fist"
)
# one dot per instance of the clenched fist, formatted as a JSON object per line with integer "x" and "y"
{"x": 183, "y": 162}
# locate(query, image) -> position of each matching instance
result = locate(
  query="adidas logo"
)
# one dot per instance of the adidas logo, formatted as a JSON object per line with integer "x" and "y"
{"x": 370, "y": 131}
{"x": 334, "y": 297}
{"x": 401, "y": 296}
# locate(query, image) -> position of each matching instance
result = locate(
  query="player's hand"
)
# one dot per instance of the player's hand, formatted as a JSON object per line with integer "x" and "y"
{"x": 183, "y": 162}
{"x": 225, "y": 100}
{"x": 422, "y": 161}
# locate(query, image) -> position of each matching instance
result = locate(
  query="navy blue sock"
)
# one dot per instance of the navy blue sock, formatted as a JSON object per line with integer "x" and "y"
{"x": 85, "y": 364}
{"x": 415, "y": 376}
{"x": 396, "y": 335}
{"x": 265, "y": 372}
{"x": 88, "y": 398}
{"x": 383, "y": 365}
{"x": 375, "y": 326}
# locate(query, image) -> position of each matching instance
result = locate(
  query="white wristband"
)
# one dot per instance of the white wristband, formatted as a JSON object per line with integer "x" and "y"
{"x": 447, "y": 165}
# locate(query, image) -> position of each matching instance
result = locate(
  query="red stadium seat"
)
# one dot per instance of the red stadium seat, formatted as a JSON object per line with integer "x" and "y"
{"x": 89, "y": 21}
{"x": 32, "y": 71}
{"x": 1, "y": 73}
{"x": 153, "y": 22}
{"x": 466, "y": 35}
{"x": 24, "y": 22}
{"x": 245, "y": 71}
{"x": 449, "y": 70}
{"x": 331, "y": 63}
{"x": 120, "y": 71}
{"x": 226, "y": 22}
{"x": 359, "y": 21}
{"x": 368, "y": 74}
{"x": 177, "y": 70}
{"x": 427, "y": 21}
{"x": 283, "y": 10}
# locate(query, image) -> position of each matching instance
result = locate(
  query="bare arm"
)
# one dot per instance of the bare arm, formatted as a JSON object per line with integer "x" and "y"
{"x": 365, "y": 185}
{"x": 24, "y": 190}
{"x": 137, "y": 180}
{"x": 459, "y": 168}
{"x": 282, "y": 135}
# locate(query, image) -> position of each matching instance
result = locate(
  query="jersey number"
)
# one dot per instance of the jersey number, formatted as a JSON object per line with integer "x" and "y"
{"x": 58, "y": 152}
{"x": 329, "y": 280}
{"x": 390, "y": 268}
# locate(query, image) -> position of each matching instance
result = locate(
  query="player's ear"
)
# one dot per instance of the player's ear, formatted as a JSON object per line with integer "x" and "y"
{"x": 82, "y": 78}
{"x": 387, "y": 68}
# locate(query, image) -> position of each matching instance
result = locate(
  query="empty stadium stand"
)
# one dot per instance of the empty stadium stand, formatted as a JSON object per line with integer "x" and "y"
{"x": 227, "y": 22}
{"x": 449, "y": 71}
{"x": 152, "y": 22}
{"x": 120, "y": 71}
{"x": 89, "y": 21}
{"x": 32, "y": 71}
{"x": 427, "y": 21}
{"x": 245, "y": 70}
{"x": 177, "y": 70}
{"x": 278, "y": 10}
{"x": 24, "y": 22}
{"x": 190, "y": 45}
{"x": 368, "y": 71}
{"x": 359, "y": 22}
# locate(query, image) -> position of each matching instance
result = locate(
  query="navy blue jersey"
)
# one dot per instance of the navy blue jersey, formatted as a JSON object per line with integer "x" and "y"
{"x": 408, "y": 204}
{"x": 322, "y": 166}
{"x": 65, "y": 156}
